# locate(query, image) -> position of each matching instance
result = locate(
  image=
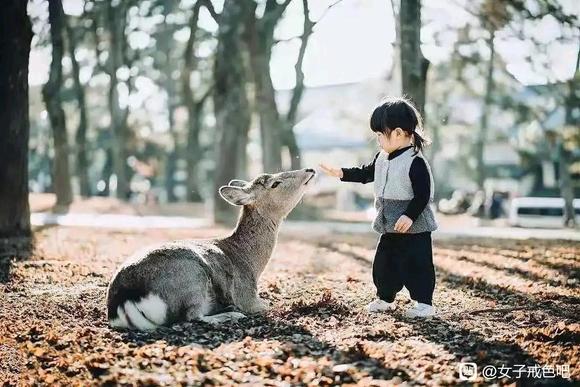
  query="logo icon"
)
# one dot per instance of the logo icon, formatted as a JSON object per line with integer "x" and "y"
{"x": 467, "y": 371}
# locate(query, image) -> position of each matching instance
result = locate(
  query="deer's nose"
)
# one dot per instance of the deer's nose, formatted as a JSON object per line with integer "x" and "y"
{"x": 310, "y": 170}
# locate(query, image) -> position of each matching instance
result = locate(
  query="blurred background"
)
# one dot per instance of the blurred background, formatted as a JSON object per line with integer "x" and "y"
{"x": 147, "y": 107}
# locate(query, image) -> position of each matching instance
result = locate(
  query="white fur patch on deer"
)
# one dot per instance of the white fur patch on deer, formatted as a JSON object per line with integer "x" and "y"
{"x": 146, "y": 314}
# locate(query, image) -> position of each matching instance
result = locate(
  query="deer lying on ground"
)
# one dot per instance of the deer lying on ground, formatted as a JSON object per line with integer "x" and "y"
{"x": 208, "y": 280}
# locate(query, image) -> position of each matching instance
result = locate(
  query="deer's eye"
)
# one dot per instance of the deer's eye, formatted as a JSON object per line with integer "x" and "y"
{"x": 276, "y": 184}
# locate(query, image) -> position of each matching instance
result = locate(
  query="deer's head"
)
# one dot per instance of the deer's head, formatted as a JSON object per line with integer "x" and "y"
{"x": 272, "y": 195}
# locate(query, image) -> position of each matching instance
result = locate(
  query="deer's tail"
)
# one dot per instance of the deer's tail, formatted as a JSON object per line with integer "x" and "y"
{"x": 146, "y": 314}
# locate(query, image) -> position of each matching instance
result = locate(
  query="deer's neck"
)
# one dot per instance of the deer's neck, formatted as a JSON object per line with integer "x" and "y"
{"x": 253, "y": 239}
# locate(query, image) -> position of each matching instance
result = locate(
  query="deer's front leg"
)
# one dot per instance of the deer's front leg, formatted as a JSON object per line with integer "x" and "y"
{"x": 260, "y": 305}
{"x": 248, "y": 301}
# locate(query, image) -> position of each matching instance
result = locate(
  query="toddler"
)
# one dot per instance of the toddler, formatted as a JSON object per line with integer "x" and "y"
{"x": 403, "y": 187}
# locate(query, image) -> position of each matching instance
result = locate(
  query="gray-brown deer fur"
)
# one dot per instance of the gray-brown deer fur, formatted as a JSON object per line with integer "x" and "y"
{"x": 209, "y": 280}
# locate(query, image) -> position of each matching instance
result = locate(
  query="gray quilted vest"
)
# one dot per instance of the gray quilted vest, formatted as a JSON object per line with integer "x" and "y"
{"x": 393, "y": 192}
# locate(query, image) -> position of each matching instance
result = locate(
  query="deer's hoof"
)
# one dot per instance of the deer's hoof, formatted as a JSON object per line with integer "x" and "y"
{"x": 261, "y": 306}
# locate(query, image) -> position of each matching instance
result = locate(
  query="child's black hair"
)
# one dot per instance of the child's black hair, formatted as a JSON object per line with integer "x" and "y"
{"x": 399, "y": 112}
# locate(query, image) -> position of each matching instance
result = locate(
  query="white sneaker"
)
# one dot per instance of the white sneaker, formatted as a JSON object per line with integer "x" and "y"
{"x": 420, "y": 310}
{"x": 380, "y": 306}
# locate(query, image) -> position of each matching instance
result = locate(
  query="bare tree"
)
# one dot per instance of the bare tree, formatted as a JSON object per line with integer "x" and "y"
{"x": 564, "y": 156}
{"x": 414, "y": 65}
{"x": 231, "y": 104}
{"x": 260, "y": 33}
{"x": 483, "y": 120}
{"x": 15, "y": 36}
{"x": 494, "y": 16}
{"x": 117, "y": 21}
{"x": 95, "y": 13}
{"x": 289, "y": 136}
{"x": 562, "y": 141}
{"x": 166, "y": 64}
{"x": 194, "y": 106}
{"x": 52, "y": 98}
{"x": 276, "y": 128}
{"x": 82, "y": 157}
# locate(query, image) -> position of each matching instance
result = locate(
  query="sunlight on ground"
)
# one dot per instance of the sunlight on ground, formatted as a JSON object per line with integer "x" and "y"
{"x": 500, "y": 302}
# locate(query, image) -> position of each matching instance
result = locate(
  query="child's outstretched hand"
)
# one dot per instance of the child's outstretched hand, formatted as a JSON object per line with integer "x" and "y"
{"x": 403, "y": 224}
{"x": 336, "y": 172}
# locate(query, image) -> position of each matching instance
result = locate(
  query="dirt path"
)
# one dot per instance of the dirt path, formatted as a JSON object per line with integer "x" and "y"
{"x": 501, "y": 303}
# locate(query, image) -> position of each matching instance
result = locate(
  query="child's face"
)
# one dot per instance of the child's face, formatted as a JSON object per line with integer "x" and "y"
{"x": 397, "y": 139}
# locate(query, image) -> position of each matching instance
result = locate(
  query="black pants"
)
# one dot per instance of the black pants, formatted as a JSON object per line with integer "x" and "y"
{"x": 405, "y": 260}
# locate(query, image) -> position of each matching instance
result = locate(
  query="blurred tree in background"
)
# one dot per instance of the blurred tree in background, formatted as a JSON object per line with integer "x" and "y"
{"x": 193, "y": 103}
{"x": 562, "y": 143}
{"x": 414, "y": 65}
{"x": 527, "y": 117}
{"x": 51, "y": 92}
{"x": 231, "y": 105}
{"x": 493, "y": 16}
{"x": 212, "y": 80}
{"x": 74, "y": 34}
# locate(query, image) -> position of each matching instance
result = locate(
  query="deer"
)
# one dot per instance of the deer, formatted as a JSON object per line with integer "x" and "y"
{"x": 213, "y": 280}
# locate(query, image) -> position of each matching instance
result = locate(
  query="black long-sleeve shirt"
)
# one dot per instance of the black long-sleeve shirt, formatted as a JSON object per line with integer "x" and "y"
{"x": 418, "y": 173}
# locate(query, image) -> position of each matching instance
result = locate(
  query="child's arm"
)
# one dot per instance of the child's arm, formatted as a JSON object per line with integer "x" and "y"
{"x": 363, "y": 174}
{"x": 421, "y": 183}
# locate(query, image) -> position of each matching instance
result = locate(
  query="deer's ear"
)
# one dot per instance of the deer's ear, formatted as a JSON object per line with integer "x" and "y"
{"x": 237, "y": 183}
{"x": 236, "y": 195}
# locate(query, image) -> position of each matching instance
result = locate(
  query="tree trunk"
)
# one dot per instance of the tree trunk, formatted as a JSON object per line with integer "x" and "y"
{"x": 270, "y": 124}
{"x": 432, "y": 155}
{"x": 107, "y": 171}
{"x": 414, "y": 66}
{"x": 483, "y": 124}
{"x": 260, "y": 34}
{"x": 566, "y": 189}
{"x": 117, "y": 21}
{"x": 170, "y": 167}
{"x": 276, "y": 132}
{"x": 289, "y": 136}
{"x": 81, "y": 134}
{"x": 171, "y": 159}
{"x": 573, "y": 121}
{"x": 193, "y": 154}
{"x": 15, "y": 36}
{"x": 193, "y": 150}
{"x": 52, "y": 98}
{"x": 242, "y": 152}
{"x": 394, "y": 75}
{"x": 230, "y": 102}
{"x": 194, "y": 107}
{"x": 164, "y": 62}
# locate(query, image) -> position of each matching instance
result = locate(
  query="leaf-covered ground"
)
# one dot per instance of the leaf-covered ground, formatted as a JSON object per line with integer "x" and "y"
{"x": 501, "y": 303}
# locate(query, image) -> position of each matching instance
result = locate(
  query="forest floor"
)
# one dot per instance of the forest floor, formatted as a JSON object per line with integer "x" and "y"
{"x": 504, "y": 303}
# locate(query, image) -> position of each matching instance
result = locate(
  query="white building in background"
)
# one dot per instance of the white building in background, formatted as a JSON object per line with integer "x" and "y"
{"x": 333, "y": 128}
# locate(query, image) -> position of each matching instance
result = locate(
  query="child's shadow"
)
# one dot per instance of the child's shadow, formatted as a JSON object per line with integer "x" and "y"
{"x": 471, "y": 345}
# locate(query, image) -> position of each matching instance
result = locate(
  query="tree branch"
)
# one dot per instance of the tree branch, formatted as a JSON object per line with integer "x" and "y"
{"x": 326, "y": 11}
{"x": 547, "y": 7}
{"x": 199, "y": 103}
{"x": 276, "y": 9}
{"x": 299, "y": 87}
{"x": 314, "y": 23}
{"x": 189, "y": 60}
{"x": 209, "y": 6}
